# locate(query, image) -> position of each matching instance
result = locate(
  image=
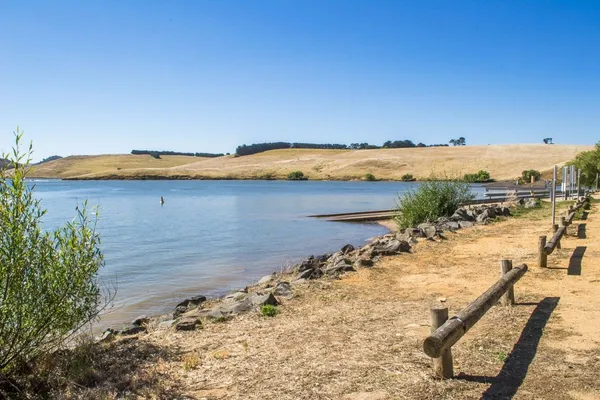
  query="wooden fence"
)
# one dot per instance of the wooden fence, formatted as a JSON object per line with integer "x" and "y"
{"x": 446, "y": 332}
{"x": 547, "y": 248}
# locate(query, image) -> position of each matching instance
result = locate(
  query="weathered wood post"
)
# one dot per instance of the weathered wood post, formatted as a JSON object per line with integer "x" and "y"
{"x": 508, "y": 299}
{"x": 554, "y": 229}
{"x": 542, "y": 256}
{"x": 563, "y": 222}
{"x": 442, "y": 366}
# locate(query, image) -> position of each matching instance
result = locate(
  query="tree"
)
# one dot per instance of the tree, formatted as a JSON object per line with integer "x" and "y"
{"x": 453, "y": 142}
{"x": 462, "y": 141}
{"x": 48, "y": 280}
{"x": 589, "y": 164}
{"x": 548, "y": 140}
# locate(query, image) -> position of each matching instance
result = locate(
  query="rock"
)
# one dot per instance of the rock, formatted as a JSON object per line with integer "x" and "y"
{"x": 338, "y": 268}
{"x": 449, "y": 226}
{"x": 179, "y": 310}
{"x": 237, "y": 307}
{"x": 237, "y": 296}
{"x": 491, "y": 211}
{"x": 311, "y": 263}
{"x": 140, "y": 320}
{"x": 194, "y": 301}
{"x": 214, "y": 314}
{"x": 107, "y": 336}
{"x": 260, "y": 300}
{"x": 429, "y": 230}
{"x": 364, "y": 262}
{"x": 265, "y": 279}
{"x": 188, "y": 324}
{"x": 134, "y": 330}
{"x": 283, "y": 289}
{"x": 166, "y": 324}
{"x": 466, "y": 224}
{"x": 310, "y": 274}
{"x": 414, "y": 232}
{"x": 505, "y": 211}
{"x": 394, "y": 246}
{"x": 531, "y": 203}
{"x": 462, "y": 214}
{"x": 347, "y": 249}
{"x": 405, "y": 236}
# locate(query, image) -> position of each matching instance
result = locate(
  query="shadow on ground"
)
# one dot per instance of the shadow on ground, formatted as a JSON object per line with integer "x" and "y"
{"x": 575, "y": 261}
{"x": 506, "y": 384}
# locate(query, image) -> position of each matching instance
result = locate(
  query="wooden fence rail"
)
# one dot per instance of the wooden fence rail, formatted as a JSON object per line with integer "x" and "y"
{"x": 547, "y": 248}
{"x": 439, "y": 343}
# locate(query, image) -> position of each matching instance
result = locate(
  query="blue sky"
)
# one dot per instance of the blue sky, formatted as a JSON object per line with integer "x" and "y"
{"x": 92, "y": 77}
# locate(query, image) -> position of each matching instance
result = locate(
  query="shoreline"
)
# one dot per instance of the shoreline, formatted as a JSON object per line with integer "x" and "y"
{"x": 194, "y": 311}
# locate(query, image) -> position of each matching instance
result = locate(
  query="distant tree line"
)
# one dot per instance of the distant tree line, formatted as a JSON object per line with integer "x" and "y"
{"x": 157, "y": 154}
{"x": 51, "y": 158}
{"x": 245, "y": 150}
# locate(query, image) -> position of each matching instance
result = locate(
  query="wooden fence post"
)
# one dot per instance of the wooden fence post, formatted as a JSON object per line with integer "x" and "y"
{"x": 508, "y": 299}
{"x": 563, "y": 222}
{"x": 442, "y": 366}
{"x": 542, "y": 256}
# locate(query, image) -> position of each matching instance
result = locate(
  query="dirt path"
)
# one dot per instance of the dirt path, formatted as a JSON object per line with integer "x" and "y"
{"x": 360, "y": 337}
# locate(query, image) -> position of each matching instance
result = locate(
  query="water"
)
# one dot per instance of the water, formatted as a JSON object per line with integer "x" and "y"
{"x": 210, "y": 236}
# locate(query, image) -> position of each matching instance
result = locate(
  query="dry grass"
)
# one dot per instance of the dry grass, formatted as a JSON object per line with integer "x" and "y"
{"x": 69, "y": 167}
{"x": 502, "y": 161}
{"x": 360, "y": 337}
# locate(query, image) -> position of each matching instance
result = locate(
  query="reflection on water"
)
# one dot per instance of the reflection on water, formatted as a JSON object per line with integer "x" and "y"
{"x": 210, "y": 236}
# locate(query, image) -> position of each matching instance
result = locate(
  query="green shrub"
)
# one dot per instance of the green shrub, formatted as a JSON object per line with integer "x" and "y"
{"x": 408, "y": 178}
{"x": 370, "y": 177}
{"x": 296, "y": 176}
{"x": 526, "y": 176}
{"x": 431, "y": 200}
{"x": 47, "y": 279}
{"x": 480, "y": 176}
{"x": 269, "y": 310}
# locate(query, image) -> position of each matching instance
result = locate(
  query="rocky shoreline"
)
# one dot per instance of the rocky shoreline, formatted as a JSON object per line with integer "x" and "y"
{"x": 272, "y": 289}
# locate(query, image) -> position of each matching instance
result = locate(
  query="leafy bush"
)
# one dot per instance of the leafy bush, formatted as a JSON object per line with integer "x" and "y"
{"x": 480, "y": 176}
{"x": 269, "y": 310}
{"x": 370, "y": 177}
{"x": 431, "y": 200}
{"x": 296, "y": 176}
{"x": 589, "y": 163}
{"x": 408, "y": 178}
{"x": 47, "y": 279}
{"x": 526, "y": 176}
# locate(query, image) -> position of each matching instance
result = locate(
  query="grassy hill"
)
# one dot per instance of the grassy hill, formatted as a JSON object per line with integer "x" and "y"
{"x": 502, "y": 161}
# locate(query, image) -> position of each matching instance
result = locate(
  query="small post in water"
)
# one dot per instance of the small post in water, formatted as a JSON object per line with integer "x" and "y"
{"x": 508, "y": 298}
{"x": 542, "y": 256}
{"x": 442, "y": 366}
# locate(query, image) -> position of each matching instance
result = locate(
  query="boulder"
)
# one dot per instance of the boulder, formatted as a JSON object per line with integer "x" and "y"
{"x": 179, "y": 310}
{"x": 462, "y": 214}
{"x": 188, "y": 324}
{"x": 391, "y": 247}
{"x": 283, "y": 289}
{"x": 134, "y": 330}
{"x": 237, "y": 296}
{"x": 466, "y": 224}
{"x": 429, "y": 230}
{"x": 140, "y": 320}
{"x": 338, "y": 268}
{"x": 483, "y": 217}
{"x": 193, "y": 301}
{"x": 505, "y": 211}
{"x": 260, "y": 300}
{"x": 450, "y": 226}
{"x": 347, "y": 249}
{"x": 531, "y": 203}
{"x": 236, "y": 307}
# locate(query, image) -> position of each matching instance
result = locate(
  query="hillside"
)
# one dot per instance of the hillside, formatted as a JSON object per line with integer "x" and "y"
{"x": 502, "y": 161}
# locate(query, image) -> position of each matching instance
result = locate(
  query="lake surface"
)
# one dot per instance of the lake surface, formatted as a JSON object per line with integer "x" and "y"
{"x": 210, "y": 237}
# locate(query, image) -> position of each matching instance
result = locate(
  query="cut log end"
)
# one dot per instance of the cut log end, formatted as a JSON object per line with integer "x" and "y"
{"x": 432, "y": 346}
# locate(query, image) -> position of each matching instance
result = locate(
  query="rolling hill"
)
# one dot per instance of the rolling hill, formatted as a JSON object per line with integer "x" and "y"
{"x": 502, "y": 161}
